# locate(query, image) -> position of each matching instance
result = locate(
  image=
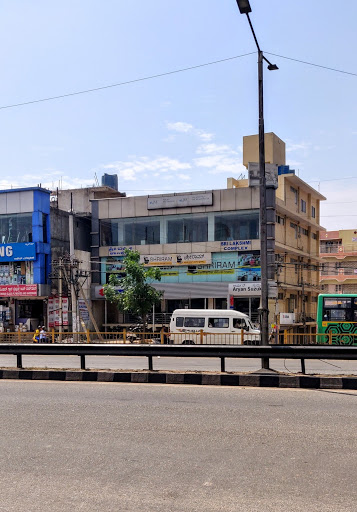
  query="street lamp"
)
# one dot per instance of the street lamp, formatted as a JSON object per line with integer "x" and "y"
{"x": 244, "y": 8}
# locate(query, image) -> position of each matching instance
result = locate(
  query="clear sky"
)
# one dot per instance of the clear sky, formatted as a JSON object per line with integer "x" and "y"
{"x": 183, "y": 131}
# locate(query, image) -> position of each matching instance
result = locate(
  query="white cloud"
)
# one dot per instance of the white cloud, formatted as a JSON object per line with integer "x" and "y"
{"x": 182, "y": 127}
{"x": 184, "y": 176}
{"x": 209, "y": 149}
{"x": 131, "y": 170}
{"x": 220, "y": 164}
{"x": 301, "y": 146}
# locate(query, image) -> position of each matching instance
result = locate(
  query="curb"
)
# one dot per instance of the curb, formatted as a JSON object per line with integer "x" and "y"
{"x": 203, "y": 379}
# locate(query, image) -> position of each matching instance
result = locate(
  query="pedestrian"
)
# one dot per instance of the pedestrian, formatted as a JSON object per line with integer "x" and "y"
{"x": 43, "y": 334}
{"x": 36, "y": 336}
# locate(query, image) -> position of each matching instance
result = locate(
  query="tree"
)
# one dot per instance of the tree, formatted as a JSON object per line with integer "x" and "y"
{"x": 137, "y": 295}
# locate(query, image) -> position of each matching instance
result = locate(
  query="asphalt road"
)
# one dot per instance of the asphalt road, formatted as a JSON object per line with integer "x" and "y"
{"x": 92, "y": 447}
{"x": 182, "y": 364}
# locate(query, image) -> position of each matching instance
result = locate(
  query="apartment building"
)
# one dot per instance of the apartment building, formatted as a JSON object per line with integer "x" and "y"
{"x": 338, "y": 253}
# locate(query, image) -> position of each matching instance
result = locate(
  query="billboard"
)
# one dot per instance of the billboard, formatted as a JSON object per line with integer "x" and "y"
{"x": 18, "y": 252}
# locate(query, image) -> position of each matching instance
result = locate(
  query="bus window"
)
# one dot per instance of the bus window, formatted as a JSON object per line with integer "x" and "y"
{"x": 192, "y": 321}
{"x": 179, "y": 321}
{"x": 218, "y": 323}
{"x": 337, "y": 303}
{"x": 337, "y": 314}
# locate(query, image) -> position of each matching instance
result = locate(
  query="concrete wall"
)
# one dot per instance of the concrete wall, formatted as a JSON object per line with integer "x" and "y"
{"x": 274, "y": 149}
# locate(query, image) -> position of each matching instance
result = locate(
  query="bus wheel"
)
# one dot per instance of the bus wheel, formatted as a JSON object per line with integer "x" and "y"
{"x": 188, "y": 342}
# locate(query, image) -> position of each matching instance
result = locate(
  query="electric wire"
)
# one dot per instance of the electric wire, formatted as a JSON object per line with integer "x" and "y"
{"x": 127, "y": 82}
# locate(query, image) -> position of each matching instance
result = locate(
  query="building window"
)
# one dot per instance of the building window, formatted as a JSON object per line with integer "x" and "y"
{"x": 295, "y": 228}
{"x": 236, "y": 226}
{"x": 280, "y": 220}
{"x": 44, "y": 228}
{"x": 16, "y": 228}
{"x": 295, "y": 192}
{"x": 338, "y": 288}
{"x": 138, "y": 231}
{"x": 303, "y": 206}
{"x": 187, "y": 230}
{"x": 304, "y": 231}
{"x": 313, "y": 212}
{"x": 314, "y": 236}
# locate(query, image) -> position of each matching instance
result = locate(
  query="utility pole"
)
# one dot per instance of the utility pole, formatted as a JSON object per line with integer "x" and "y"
{"x": 266, "y": 255}
{"x": 72, "y": 257}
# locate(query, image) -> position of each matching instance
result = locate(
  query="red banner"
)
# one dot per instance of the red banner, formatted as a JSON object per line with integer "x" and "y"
{"x": 18, "y": 290}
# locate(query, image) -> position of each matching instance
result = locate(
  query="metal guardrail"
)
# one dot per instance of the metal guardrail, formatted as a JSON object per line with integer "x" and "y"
{"x": 150, "y": 351}
{"x": 197, "y": 338}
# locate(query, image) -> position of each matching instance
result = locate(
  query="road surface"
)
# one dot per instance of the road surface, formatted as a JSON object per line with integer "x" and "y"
{"x": 78, "y": 446}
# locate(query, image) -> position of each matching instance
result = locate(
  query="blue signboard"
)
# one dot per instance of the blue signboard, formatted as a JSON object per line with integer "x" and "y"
{"x": 18, "y": 252}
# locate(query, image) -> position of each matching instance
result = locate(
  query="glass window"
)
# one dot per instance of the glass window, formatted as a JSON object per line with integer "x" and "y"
{"x": 336, "y": 302}
{"x": 179, "y": 321}
{"x": 239, "y": 323}
{"x": 190, "y": 229}
{"x": 130, "y": 231}
{"x": 191, "y": 321}
{"x": 303, "y": 206}
{"x": 16, "y": 228}
{"x": 218, "y": 323}
{"x": 44, "y": 227}
{"x": 237, "y": 226}
{"x": 313, "y": 212}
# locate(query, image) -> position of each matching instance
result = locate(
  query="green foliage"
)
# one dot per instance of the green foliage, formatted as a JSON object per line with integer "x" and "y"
{"x": 138, "y": 296}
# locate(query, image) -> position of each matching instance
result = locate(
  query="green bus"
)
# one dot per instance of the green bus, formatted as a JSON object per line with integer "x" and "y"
{"x": 337, "y": 318}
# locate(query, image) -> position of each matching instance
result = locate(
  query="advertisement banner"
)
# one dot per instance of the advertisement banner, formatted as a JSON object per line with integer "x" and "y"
{"x": 18, "y": 290}
{"x": 18, "y": 252}
{"x": 55, "y": 319}
{"x": 166, "y": 260}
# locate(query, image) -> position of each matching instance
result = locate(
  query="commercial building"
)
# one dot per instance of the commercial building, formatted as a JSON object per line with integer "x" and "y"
{"x": 207, "y": 244}
{"x": 338, "y": 253}
{"x": 25, "y": 256}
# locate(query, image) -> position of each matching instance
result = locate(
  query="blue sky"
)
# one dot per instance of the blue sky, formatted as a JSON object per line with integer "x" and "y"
{"x": 183, "y": 131}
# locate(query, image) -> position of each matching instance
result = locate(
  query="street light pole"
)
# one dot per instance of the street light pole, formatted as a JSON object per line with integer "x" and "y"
{"x": 244, "y": 8}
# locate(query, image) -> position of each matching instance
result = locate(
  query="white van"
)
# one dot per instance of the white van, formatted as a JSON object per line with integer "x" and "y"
{"x": 211, "y": 326}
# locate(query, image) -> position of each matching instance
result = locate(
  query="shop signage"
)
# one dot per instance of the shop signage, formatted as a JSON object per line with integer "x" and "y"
{"x": 83, "y": 311}
{"x": 56, "y": 317}
{"x": 18, "y": 252}
{"x": 287, "y": 318}
{"x": 245, "y": 289}
{"x": 18, "y": 290}
{"x": 99, "y": 291}
{"x": 118, "y": 251}
{"x": 167, "y": 260}
{"x": 237, "y": 245}
{"x": 204, "y": 199}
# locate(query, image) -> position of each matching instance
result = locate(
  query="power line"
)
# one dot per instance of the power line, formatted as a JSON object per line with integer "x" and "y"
{"x": 159, "y": 75}
{"x": 313, "y": 64}
{"x": 142, "y": 79}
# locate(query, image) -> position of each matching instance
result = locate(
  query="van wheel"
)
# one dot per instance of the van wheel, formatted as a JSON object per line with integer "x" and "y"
{"x": 188, "y": 342}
